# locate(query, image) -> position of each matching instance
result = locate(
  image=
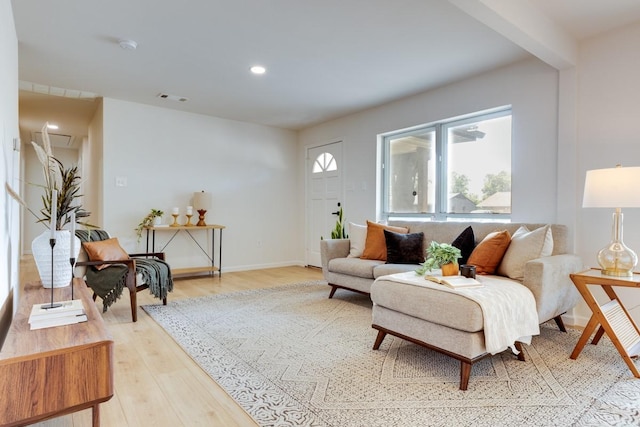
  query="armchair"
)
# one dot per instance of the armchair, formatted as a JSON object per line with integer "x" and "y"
{"x": 108, "y": 269}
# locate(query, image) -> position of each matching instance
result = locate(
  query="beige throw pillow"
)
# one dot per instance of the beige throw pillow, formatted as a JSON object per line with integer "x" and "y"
{"x": 525, "y": 246}
{"x": 357, "y": 239}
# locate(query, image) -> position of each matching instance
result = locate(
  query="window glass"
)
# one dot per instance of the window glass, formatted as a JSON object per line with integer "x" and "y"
{"x": 325, "y": 162}
{"x": 411, "y": 174}
{"x": 479, "y": 166}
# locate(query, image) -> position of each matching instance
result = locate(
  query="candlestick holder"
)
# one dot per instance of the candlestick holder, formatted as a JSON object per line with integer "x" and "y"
{"x": 175, "y": 220}
{"x": 188, "y": 223}
{"x": 72, "y": 261}
{"x": 52, "y": 243}
{"x": 201, "y": 222}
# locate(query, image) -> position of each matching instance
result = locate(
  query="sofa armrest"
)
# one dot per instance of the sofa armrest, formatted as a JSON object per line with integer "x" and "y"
{"x": 549, "y": 281}
{"x": 333, "y": 248}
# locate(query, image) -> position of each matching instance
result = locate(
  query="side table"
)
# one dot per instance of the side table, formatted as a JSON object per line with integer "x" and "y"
{"x": 611, "y": 317}
{"x": 211, "y": 268}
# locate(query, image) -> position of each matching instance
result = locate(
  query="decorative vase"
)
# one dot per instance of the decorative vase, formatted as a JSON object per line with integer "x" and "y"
{"x": 450, "y": 269}
{"x": 157, "y": 221}
{"x": 41, "y": 250}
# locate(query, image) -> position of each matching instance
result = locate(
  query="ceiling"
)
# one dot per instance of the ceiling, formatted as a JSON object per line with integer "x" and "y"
{"x": 324, "y": 58}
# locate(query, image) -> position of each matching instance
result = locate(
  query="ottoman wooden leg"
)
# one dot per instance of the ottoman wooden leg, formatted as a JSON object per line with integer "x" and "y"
{"x": 379, "y": 339}
{"x": 465, "y": 372}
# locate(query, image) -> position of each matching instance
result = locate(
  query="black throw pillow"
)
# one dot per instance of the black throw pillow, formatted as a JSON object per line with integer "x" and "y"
{"x": 404, "y": 248}
{"x": 466, "y": 242}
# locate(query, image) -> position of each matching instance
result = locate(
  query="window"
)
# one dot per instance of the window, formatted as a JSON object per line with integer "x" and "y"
{"x": 325, "y": 162}
{"x": 449, "y": 169}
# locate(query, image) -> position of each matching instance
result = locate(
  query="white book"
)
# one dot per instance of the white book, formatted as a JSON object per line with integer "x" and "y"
{"x": 67, "y": 308}
{"x": 58, "y": 321}
{"x": 455, "y": 282}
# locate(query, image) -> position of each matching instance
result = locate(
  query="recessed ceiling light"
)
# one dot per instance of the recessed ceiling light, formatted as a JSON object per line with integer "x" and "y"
{"x": 51, "y": 126}
{"x": 128, "y": 44}
{"x": 258, "y": 69}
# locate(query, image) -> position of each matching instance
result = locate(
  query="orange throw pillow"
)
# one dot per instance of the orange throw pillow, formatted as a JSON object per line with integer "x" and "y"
{"x": 105, "y": 250}
{"x": 489, "y": 252}
{"x": 375, "y": 246}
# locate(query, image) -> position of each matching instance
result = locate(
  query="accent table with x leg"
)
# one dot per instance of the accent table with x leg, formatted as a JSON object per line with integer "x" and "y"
{"x": 611, "y": 317}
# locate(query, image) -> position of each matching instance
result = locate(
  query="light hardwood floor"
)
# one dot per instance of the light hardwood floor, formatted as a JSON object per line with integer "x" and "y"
{"x": 156, "y": 383}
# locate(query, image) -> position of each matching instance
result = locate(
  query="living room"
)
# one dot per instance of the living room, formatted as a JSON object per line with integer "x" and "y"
{"x": 567, "y": 120}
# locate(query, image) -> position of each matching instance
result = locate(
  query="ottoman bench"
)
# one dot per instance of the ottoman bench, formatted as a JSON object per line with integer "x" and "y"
{"x": 453, "y": 322}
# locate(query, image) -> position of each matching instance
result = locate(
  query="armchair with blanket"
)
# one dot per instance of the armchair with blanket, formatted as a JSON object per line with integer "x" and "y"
{"x": 107, "y": 269}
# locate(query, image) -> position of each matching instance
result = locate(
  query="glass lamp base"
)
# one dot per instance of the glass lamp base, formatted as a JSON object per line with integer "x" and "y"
{"x": 616, "y": 259}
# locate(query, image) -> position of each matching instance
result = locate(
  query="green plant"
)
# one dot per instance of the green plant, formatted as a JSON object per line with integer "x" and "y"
{"x": 147, "y": 221}
{"x": 339, "y": 232}
{"x": 65, "y": 181}
{"x": 439, "y": 254}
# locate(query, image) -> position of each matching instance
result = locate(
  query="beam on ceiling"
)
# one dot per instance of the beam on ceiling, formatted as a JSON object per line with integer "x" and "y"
{"x": 526, "y": 26}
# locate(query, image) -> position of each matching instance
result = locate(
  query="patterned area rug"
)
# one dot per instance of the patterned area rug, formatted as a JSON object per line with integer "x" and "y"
{"x": 292, "y": 357}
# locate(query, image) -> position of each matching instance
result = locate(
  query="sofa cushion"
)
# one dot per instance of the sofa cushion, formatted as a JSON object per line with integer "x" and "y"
{"x": 357, "y": 238}
{"x": 444, "y": 308}
{"x": 489, "y": 252}
{"x": 404, "y": 248}
{"x": 354, "y": 266}
{"x": 466, "y": 242}
{"x": 525, "y": 246}
{"x": 375, "y": 246}
{"x": 386, "y": 269}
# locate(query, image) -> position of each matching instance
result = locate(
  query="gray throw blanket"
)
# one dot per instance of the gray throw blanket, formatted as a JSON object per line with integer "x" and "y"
{"x": 109, "y": 283}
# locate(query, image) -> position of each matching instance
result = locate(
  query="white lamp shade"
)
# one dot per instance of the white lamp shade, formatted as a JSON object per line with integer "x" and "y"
{"x": 202, "y": 200}
{"x": 612, "y": 188}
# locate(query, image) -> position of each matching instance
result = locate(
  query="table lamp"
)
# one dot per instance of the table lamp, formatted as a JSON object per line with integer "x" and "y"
{"x": 614, "y": 188}
{"x": 202, "y": 203}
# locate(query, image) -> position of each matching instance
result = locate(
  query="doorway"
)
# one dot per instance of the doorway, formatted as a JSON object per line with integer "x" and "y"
{"x": 324, "y": 195}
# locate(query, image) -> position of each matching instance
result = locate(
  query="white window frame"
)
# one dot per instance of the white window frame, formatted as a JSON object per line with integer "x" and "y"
{"x": 441, "y": 202}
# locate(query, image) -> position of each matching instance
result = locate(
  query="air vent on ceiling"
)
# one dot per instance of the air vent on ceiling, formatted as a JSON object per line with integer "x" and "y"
{"x": 173, "y": 97}
{"x": 57, "y": 140}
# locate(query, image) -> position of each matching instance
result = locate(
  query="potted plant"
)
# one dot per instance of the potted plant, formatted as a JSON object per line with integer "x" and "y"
{"x": 66, "y": 183}
{"x": 443, "y": 256}
{"x": 152, "y": 218}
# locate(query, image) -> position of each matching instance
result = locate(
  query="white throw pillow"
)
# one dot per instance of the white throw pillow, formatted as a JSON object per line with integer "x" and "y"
{"x": 525, "y": 246}
{"x": 357, "y": 237}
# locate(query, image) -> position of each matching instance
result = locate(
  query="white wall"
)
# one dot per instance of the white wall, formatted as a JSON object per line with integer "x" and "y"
{"x": 607, "y": 123}
{"x": 529, "y": 86}
{"x": 166, "y": 155}
{"x": 9, "y": 164}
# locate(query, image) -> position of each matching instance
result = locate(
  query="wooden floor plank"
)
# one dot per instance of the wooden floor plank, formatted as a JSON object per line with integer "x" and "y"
{"x": 156, "y": 382}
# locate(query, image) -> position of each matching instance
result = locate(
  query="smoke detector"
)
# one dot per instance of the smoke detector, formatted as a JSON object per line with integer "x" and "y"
{"x": 173, "y": 97}
{"x": 128, "y": 44}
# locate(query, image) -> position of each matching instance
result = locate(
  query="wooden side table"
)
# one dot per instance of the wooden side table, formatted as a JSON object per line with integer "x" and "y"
{"x": 611, "y": 317}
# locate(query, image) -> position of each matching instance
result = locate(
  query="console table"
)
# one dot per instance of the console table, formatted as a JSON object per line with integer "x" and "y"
{"x": 151, "y": 233}
{"x": 51, "y": 372}
{"x": 611, "y": 317}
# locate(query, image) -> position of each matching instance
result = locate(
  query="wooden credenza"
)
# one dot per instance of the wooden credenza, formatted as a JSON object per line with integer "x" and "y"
{"x": 55, "y": 371}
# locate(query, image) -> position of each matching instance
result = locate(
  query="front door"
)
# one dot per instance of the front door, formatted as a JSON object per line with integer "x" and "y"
{"x": 324, "y": 193}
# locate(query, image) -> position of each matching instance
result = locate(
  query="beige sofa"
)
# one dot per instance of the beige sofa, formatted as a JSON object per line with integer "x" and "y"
{"x": 547, "y": 278}
{"x": 443, "y": 321}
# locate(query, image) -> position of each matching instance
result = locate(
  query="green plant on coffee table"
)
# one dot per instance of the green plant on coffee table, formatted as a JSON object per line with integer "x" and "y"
{"x": 439, "y": 254}
{"x": 147, "y": 221}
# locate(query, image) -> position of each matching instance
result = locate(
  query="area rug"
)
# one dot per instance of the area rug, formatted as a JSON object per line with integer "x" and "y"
{"x": 292, "y": 357}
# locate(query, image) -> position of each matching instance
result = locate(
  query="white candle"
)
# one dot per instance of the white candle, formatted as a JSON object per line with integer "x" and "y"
{"x": 189, "y": 210}
{"x": 54, "y": 212}
{"x": 72, "y": 253}
{"x": 175, "y": 211}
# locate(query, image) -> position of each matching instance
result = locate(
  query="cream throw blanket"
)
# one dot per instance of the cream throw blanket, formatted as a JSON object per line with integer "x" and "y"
{"x": 508, "y": 308}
